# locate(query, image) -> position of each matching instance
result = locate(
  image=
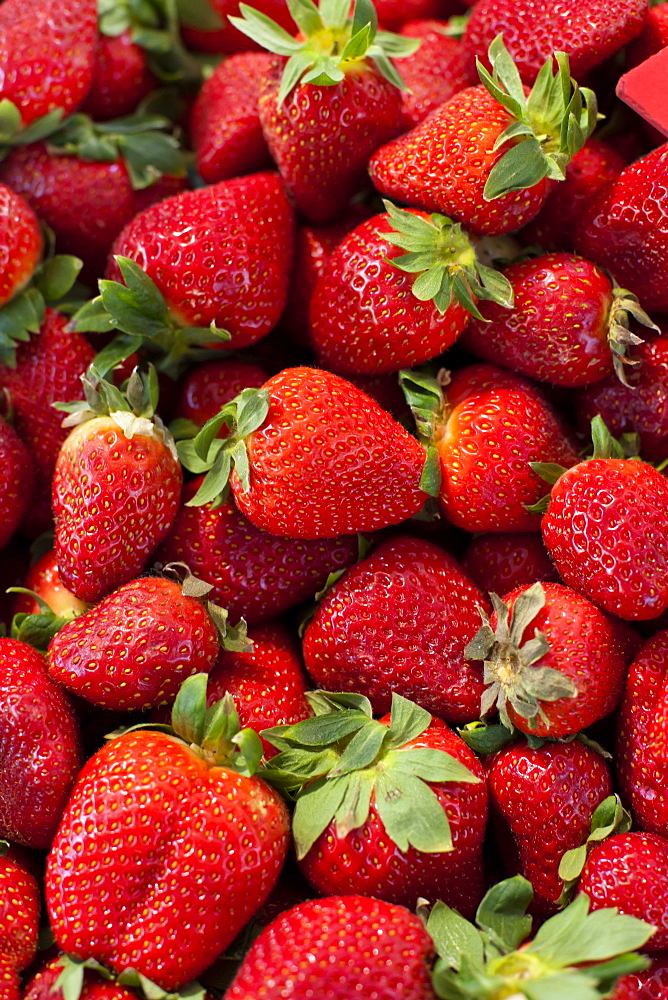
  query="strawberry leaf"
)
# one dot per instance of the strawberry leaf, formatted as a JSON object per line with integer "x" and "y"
{"x": 454, "y": 937}
{"x": 576, "y": 936}
{"x": 314, "y": 813}
{"x": 411, "y": 813}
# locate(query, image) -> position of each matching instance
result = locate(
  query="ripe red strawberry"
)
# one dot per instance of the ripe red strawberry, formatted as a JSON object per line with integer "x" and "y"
{"x": 542, "y": 801}
{"x": 42, "y": 986}
{"x": 39, "y": 747}
{"x": 627, "y": 221}
{"x": 399, "y": 620}
{"x": 225, "y": 125}
{"x": 21, "y": 244}
{"x": 328, "y": 106}
{"x": 19, "y": 920}
{"x": 198, "y": 846}
{"x": 121, "y": 77}
{"x": 220, "y": 35}
{"x": 43, "y": 579}
{"x": 538, "y": 339}
{"x": 46, "y": 57}
{"x": 353, "y": 944}
{"x": 501, "y": 561}
{"x": 314, "y": 457}
{"x": 587, "y": 31}
{"x": 405, "y": 822}
{"x": 501, "y": 154}
{"x": 652, "y": 38}
{"x": 253, "y": 573}
{"x": 375, "y": 309}
{"x": 17, "y": 477}
{"x": 433, "y": 73}
{"x": 115, "y": 468}
{"x": 396, "y": 14}
{"x": 555, "y": 663}
{"x": 649, "y": 985}
{"x": 133, "y": 649}
{"x": 629, "y": 871}
{"x": 208, "y": 386}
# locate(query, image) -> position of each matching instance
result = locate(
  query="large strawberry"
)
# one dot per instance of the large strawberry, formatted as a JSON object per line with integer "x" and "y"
{"x": 198, "y": 843}
{"x": 314, "y": 457}
{"x": 394, "y": 808}
{"x": 486, "y": 156}
{"x": 116, "y": 486}
{"x": 331, "y": 103}
{"x": 400, "y": 620}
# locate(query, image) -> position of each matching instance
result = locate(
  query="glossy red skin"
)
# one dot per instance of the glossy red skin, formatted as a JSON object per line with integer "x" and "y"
{"x": 44, "y": 580}
{"x": 415, "y": 168}
{"x": 42, "y": 986}
{"x": 197, "y": 849}
{"x": 103, "y": 486}
{"x": 39, "y": 747}
{"x": 605, "y": 529}
{"x": 225, "y": 124}
{"x": 399, "y": 620}
{"x": 641, "y": 407}
{"x": 649, "y": 985}
{"x": 209, "y": 385}
{"x": 134, "y": 649}
{"x": 86, "y": 204}
{"x": 627, "y": 222}
{"x": 253, "y": 573}
{"x": 46, "y": 54}
{"x": 17, "y": 476}
{"x": 21, "y": 242}
{"x": 366, "y": 861}
{"x": 19, "y": 914}
{"x": 586, "y": 645}
{"x": 229, "y": 39}
{"x": 629, "y": 871}
{"x": 328, "y": 461}
{"x": 642, "y": 736}
{"x": 121, "y": 78}
{"x": 589, "y": 170}
{"x": 321, "y": 138}
{"x": 500, "y": 561}
{"x": 334, "y": 933}
{"x": 588, "y": 32}
{"x": 652, "y": 38}
{"x": 268, "y": 684}
{"x": 218, "y": 254}
{"x": 495, "y": 423}
{"x": 434, "y": 73}
{"x": 48, "y": 370}
{"x": 541, "y": 803}
{"x": 557, "y": 330}
{"x": 364, "y": 318}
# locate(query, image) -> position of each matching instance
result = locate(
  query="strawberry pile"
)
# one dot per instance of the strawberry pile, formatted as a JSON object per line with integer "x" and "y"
{"x": 333, "y": 505}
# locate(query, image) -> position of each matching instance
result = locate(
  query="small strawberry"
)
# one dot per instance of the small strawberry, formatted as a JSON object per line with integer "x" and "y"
{"x": 400, "y": 620}
{"x": 39, "y": 747}
{"x": 19, "y": 919}
{"x": 198, "y": 845}
{"x": 17, "y": 476}
{"x": 21, "y": 244}
{"x": 314, "y": 457}
{"x": 121, "y": 78}
{"x": 206, "y": 388}
{"x": 118, "y": 465}
{"x": 331, "y": 103}
{"x": 54, "y": 981}
{"x": 503, "y": 147}
{"x": 501, "y": 561}
{"x": 43, "y": 580}
{"x": 434, "y": 72}
{"x": 394, "y": 808}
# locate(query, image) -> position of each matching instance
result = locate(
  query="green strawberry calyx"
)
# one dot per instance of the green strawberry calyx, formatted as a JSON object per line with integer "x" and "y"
{"x": 424, "y": 394}
{"x": 138, "y": 309}
{"x": 444, "y": 260}
{"x": 153, "y": 25}
{"x": 550, "y": 125}
{"x": 620, "y": 338}
{"x": 510, "y": 670}
{"x": 576, "y": 954}
{"x": 71, "y": 981}
{"x": 341, "y": 761}
{"x": 13, "y": 132}
{"x": 38, "y": 629}
{"x": 331, "y": 42}
{"x": 232, "y": 637}
{"x": 610, "y": 817}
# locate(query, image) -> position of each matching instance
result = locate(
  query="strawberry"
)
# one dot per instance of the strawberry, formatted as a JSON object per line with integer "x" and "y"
{"x": 501, "y": 153}
{"x": 198, "y": 845}
{"x": 253, "y": 573}
{"x": 482, "y": 430}
{"x": 59, "y": 974}
{"x": 605, "y": 526}
{"x": 394, "y": 808}
{"x": 555, "y": 663}
{"x": 212, "y": 30}
{"x": 117, "y": 464}
{"x": 19, "y": 920}
{"x": 626, "y": 221}
{"x": 649, "y": 985}
{"x": 17, "y": 477}
{"x": 134, "y": 649}
{"x": 353, "y": 943}
{"x": 331, "y": 103}
{"x": 435, "y": 72}
{"x": 46, "y": 62}
{"x": 39, "y": 747}
{"x": 652, "y": 38}
{"x": 501, "y": 561}
{"x": 21, "y": 243}
{"x": 397, "y": 14}
{"x": 306, "y": 463}
{"x": 400, "y": 619}
{"x": 536, "y": 338}
{"x": 208, "y": 386}
{"x": 542, "y": 800}
{"x": 43, "y": 580}
{"x": 588, "y": 31}
{"x": 368, "y": 317}
{"x": 121, "y": 77}
{"x": 225, "y": 126}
